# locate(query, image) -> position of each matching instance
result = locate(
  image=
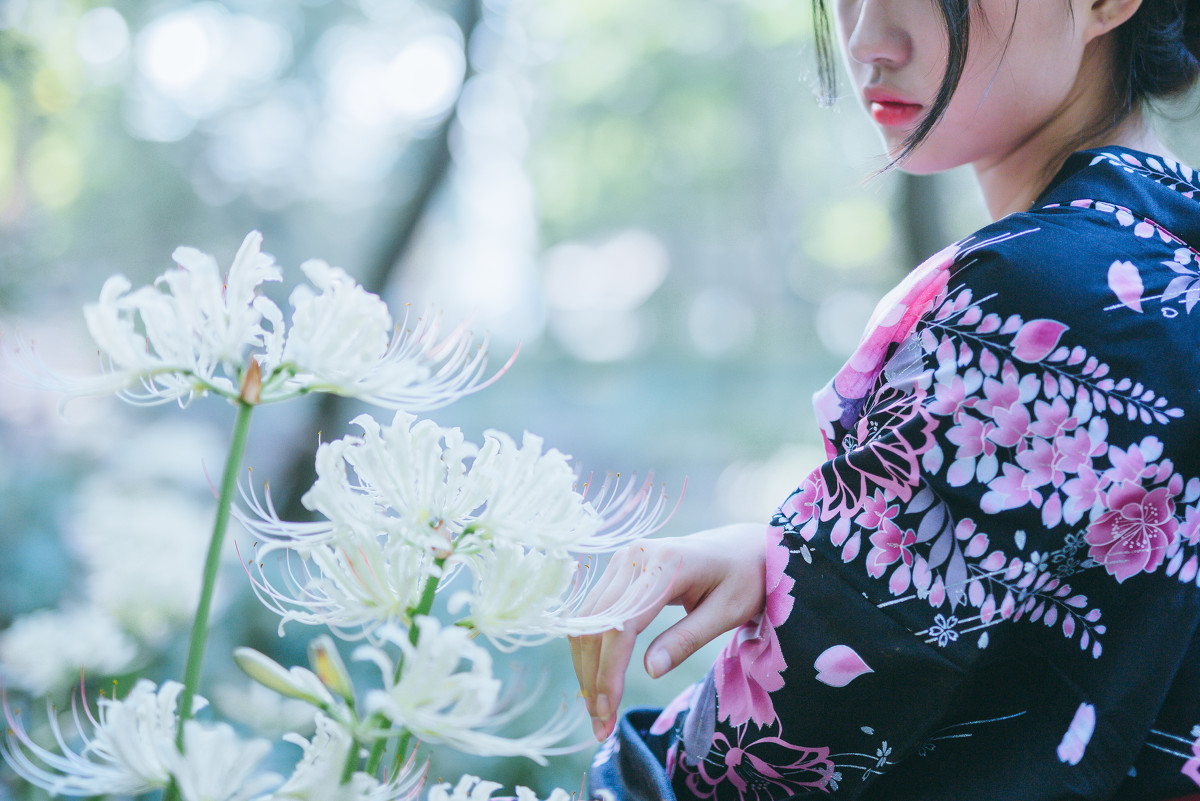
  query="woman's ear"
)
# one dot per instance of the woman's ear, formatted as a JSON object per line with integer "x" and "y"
{"x": 1105, "y": 15}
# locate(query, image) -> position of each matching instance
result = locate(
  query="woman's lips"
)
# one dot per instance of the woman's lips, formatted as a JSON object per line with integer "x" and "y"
{"x": 893, "y": 113}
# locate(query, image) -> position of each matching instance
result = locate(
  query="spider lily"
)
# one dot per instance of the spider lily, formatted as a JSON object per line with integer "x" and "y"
{"x": 446, "y": 693}
{"x": 411, "y": 481}
{"x": 195, "y": 332}
{"x": 471, "y": 788}
{"x": 412, "y": 501}
{"x": 318, "y": 774}
{"x": 522, "y": 598}
{"x": 130, "y": 750}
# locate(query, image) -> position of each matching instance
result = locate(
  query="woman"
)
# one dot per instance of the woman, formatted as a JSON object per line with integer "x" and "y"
{"x": 990, "y": 589}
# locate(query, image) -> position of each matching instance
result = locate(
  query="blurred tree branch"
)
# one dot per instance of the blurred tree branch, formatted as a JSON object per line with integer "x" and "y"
{"x": 330, "y": 409}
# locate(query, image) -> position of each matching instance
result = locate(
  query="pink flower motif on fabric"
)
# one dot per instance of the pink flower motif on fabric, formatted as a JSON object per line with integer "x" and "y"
{"x": 1191, "y": 768}
{"x": 890, "y": 544}
{"x": 750, "y": 667}
{"x": 883, "y": 457}
{"x": 1126, "y": 283}
{"x": 893, "y": 320}
{"x": 1136, "y": 533}
{"x": 1079, "y": 734}
{"x": 1036, "y": 340}
{"x": 758, "y": 768}
{"x": 800, "y": 511}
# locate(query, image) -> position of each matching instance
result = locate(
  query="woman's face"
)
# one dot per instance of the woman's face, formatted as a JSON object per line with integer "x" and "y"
{"x": 1020, "y": 82}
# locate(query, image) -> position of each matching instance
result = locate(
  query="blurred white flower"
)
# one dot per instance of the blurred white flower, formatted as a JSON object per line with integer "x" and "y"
{"x": 472, "y": 788}
{"x": 446, "y": 693}
{"x": 45, "y": 652}
{"x": 263, "y": 710}
{"x": 131, "y": 749}
{"x": 469, "y": 788}
{"x": 195, "y": 333}
{"x": 156, "y": 591}
{"x": 217, "y": 765}
{"x": 318, "y": 774}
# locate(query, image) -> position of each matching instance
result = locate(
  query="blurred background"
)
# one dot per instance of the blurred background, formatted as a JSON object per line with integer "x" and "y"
{"x": 646, "y": 197}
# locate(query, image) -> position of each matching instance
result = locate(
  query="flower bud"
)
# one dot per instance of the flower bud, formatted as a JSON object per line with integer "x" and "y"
{"x": 295, "y": 682}
{"x": 328, "y": 665}
{"x": 251, "y": 392}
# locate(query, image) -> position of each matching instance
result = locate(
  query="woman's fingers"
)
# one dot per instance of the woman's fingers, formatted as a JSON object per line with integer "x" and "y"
{"x": 716, "y": 575}
{"x": 601, "y": 660}
{"x": 719, "y": 612}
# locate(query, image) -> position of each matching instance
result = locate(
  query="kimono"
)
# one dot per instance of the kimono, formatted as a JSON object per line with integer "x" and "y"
{"x": 991, "y": 588}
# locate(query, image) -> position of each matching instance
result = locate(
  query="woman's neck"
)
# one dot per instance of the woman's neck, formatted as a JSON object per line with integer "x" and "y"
{"x": 1012, "y": 183}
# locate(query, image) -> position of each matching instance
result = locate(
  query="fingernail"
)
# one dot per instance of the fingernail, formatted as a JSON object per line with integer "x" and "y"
{"x": 603, "y": 711}
{"x": 657, "y": 663}
{"x": 598, "y": 729}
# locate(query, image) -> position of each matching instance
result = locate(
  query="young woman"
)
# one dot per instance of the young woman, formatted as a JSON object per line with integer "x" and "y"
{"x": 991, "y": 589}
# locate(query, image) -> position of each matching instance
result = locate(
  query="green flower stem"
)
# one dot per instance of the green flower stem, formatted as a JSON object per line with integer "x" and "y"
{"x": 191, "y": 680}
{"x": 414, "y": 634}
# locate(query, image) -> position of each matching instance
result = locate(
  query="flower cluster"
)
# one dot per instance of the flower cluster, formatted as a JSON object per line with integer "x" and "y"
{"x": 413, "y": 502}
{"x": 409, "y": 512}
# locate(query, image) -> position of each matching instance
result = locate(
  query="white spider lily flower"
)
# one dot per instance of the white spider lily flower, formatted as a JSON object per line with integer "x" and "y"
{"x": 343, "y": 341}
{"x": 339, "y": 335}
{"x": 196, "y": 328}
{"x": 522, "y": 597}
{"x": 411, "y": 480}
{"x": 217, "y": 765}
{"x": 446, "y": 693}
{"x": 472, "y": 788}
{"x": 351, "y": 586}
{"x": 131, "y": 749}
{"x": 195, "y": 332}
{"x": 533, "y": 499}
{"x": 296, "y": 682}
{"x": 318, "y": 774}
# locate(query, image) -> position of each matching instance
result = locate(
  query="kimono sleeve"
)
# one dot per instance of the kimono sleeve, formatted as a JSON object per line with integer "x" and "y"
{"x": 994, "y": 573}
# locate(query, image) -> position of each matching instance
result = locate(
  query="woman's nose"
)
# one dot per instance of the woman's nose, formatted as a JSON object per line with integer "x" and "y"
{"x": 875, "y": 36}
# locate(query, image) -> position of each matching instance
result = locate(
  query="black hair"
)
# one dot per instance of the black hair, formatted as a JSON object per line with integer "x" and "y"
{"x": 1156, "y": 56}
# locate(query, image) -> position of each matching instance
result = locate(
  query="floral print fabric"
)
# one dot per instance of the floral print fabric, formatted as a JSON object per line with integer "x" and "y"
{"x": 991, "y": 588}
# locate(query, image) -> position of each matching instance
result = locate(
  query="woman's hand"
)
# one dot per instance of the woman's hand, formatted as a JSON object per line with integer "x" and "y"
{"x": 717, "y": 576}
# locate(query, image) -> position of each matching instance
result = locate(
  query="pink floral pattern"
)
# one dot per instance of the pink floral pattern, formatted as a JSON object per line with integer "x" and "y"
{"x": 1134, "y": 535}
{"x": 751, "y": 666}
{"x": 757, "y": 766}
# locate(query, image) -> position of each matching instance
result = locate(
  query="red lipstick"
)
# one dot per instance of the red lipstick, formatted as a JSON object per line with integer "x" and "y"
{"x": 891, "y": 110}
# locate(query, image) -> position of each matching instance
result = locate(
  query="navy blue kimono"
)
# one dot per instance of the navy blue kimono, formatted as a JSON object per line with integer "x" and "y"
{"x": 991, "y": 588}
